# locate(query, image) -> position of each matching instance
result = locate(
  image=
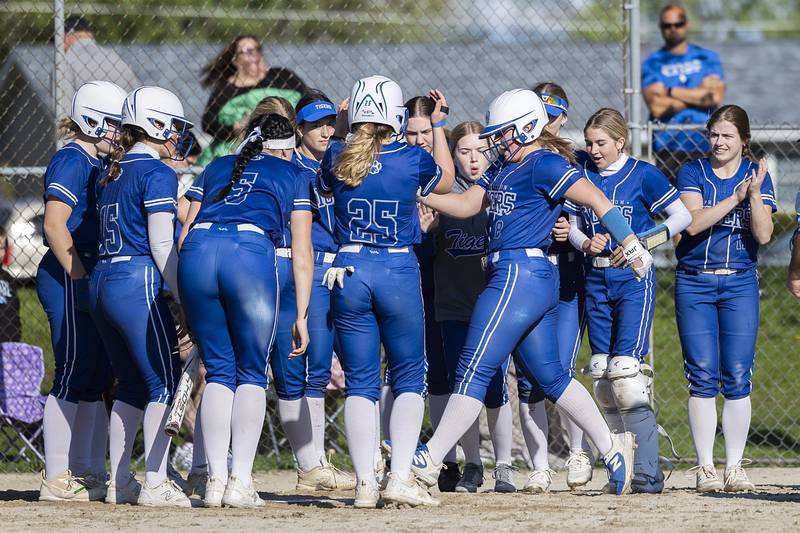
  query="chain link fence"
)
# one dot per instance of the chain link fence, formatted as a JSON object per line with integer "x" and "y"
{"x": 470, "y": 49}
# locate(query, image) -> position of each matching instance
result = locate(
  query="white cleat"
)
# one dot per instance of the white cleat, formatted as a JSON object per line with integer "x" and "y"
{"x": 736, "y": 479}
{"x": 619, "y": 462}
{"x": 64, "y": 488}
{"x": 325, "y": 477}
{"x": 215, "y": 488}
{"x": 707, "y": 478}
{"x": 424, "y": 467}
{"x": 128, "y": 493}
{"x": 367, "y": 496}
{"x": 239, "y": 496}
{"x": 539, "y": 482}
{"x": 165, "y": 494}
{"x": 579, "y": 469}
{"x": 406, "y": 492}
{"x": 196, "y": 483}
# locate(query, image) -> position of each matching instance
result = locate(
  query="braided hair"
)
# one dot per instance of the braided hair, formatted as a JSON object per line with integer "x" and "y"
{"x": 262, "y": 128}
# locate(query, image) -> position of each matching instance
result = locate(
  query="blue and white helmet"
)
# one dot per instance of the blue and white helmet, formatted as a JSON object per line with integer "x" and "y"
{"x": 94, "y": 105}
{"x": 517, "y": 108}
{"x": 157, "y": 111}
{"x": 379, "y": 100}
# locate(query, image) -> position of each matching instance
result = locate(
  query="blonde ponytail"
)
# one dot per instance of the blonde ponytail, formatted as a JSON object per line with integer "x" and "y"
{"x": 559, "y": 145}
{"x": 361, "y": 151}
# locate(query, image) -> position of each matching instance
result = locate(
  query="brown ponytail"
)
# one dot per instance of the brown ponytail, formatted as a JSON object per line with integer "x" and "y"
{"x": 559, "y": 145}
{"x": 129, "y": 136}
{"x": 362, "y": 149}
{"x": 67, "y": 128}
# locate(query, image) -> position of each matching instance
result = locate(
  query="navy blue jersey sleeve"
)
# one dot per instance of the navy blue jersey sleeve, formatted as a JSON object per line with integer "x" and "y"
{"x": 428, "y": 172}
{"x": 689, "y": 179}
{"x": 569, "y": 208}
{"x": 302, "y": 192}
{"x": 195, "y": 190}
{"x": 67, "y": 177}
{"x": 658, "y": 192}
{"x": 160, "y": 190}
{"x": 325, "y": 175}
{"x": 554, "y": 175}
{"x": 768, "y": 193}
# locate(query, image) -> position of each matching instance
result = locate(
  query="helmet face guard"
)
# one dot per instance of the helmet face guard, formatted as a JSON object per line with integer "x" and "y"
{"x": 183, "y": 145}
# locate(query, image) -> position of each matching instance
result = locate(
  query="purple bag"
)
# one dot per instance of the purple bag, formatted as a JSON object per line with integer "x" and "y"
{"x": 21, "y": 374}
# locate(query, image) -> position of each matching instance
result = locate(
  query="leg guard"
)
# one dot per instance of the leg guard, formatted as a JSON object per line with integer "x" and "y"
{"x": 601, "y": 386}
{"x": 631, "y": 387}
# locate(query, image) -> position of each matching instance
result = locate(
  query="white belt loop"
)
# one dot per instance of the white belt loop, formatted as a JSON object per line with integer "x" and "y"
{"x": 534, "y": 252}
{"x": 202, "y": 225}
{"x": 250, "y": 227}
{"x": 120, "y": 258}
{"x": 283, "y": 252}
{"x": 553, "y": 258}
{"x": 601, "y": 262}
{"x": 328, "y": 257}
{"x": 399, "y": 250}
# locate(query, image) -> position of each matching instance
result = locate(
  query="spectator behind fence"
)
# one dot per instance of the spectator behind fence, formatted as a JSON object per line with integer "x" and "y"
{"x": 10, "y": 324}
{"x": 682, "y": 83}
{"x": 86, "y": 61}
{"x": 240, "y": 78}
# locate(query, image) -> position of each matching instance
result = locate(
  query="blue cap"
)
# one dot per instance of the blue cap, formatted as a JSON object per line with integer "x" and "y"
{"x": 554, "y": 105}
{"x": 316, "y": 111}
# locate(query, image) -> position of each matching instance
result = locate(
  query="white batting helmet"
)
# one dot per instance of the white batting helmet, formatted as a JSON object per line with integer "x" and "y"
{"x": 379, "y": 100}
{"x": 517, "y": 108}
{"x": 157, "y": 111}
{"x": 94, "y": 104}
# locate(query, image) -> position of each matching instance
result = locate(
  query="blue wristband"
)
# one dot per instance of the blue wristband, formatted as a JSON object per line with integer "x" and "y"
{"x": 441, "y": 124}
{"x": 616, "y": 225}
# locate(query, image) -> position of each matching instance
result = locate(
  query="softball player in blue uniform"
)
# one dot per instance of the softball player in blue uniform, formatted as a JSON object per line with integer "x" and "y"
{"x": 716, "y": 290}
{"x": 374, "y": 179}
{"x": 232, "y": 306}
{"x": 301, "y": 381}
{"x": 620, "y": 306}
{"x": 136, "y": 201}
{"x": 524, "y": 200}
{"x": 75, "y": 418}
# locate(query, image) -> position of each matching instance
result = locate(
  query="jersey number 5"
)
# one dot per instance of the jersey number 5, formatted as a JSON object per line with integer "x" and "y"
{"x": 239, "y": 191}
{"x": 373, "y": 222}
{"x": 112, "y": 237}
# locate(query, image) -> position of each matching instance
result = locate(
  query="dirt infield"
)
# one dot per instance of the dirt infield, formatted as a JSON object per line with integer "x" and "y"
{"x": 774, "y": 507}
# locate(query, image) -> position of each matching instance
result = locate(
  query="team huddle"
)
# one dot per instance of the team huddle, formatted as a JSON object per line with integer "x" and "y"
{"x": 425, "y": 259}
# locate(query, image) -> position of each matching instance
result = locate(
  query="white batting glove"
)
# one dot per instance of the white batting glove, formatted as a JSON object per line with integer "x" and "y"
{"x": 633, "y": 251}
{"x": 335, "y": 275}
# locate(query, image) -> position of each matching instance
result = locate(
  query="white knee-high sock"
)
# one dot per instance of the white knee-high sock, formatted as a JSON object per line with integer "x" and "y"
{"x": 156, "y": 443}
{"x": 99, "y": 438}
{"x": 471, "y": 444}
{"x": 378, "y": 453}
{"x": 578, "y": 404}
{"x": 316, "y": 410}
{"x": 80, "y": 450}
{"x": 576, "y": 436}
{"x": 735, "y": 427}
{"x": 296, "y": 422}
{"x": 58, "y": 423}
{"x": 247, "y": 421}
{"x": 387, "y": 399}
{"x": 501, "y": 426}
{"x": 437, "y": 404}
{"x": 216, "y": 416}
{"x": 359, "y": 426}
{"x": 459, "y": 415}
{"x": 199, "y": 460}
{"x": 703, "y": 424}
{"x": 407, "y": 414}
{"x": 123, "y": 425}
{"x": 535, "y": 427}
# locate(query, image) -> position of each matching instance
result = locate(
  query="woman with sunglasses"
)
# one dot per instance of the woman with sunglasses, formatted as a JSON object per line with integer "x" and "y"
{"x": 136, "y": 199}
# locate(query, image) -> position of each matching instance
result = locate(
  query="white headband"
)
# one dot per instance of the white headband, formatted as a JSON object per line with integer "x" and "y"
{"x": 271, "y": 144}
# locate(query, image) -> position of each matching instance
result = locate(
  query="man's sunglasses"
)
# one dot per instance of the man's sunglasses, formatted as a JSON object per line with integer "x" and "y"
{"x": 676, "y": 25}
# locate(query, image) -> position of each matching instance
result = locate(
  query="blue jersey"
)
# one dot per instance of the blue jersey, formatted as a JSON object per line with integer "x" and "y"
{"x": 324, "y": 218}
{"x": 267, "y": 192}
{"x": 728, "y": 243}
{"x": 525, "y": 200}
{"x": 145, "y": 185}
{"x": 70, "y": 177}
{"x": 382, "y": 210}
{"x": 687, "y": 71}
{"x": 195, "y": 190}
{"x": 638, "y": 189}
